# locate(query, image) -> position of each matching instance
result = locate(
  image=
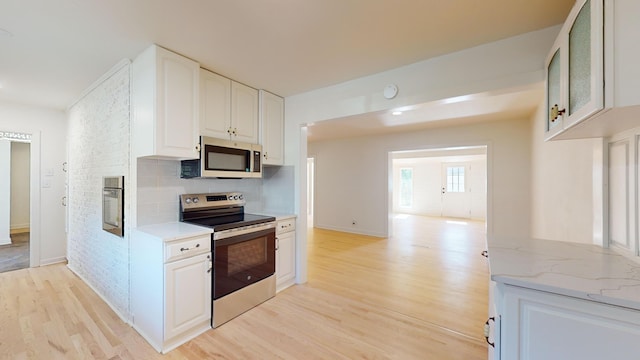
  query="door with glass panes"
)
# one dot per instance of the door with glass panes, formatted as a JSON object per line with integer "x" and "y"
{"x": 456, "y": 198}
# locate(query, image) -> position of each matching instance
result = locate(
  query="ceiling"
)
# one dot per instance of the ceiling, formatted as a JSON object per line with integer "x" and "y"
{"x": 463, "y": 110}
{"x": 51, "y": 50}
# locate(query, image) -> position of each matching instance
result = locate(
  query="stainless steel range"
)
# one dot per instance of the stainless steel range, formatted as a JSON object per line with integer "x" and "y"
{"x": 243, "y": 248}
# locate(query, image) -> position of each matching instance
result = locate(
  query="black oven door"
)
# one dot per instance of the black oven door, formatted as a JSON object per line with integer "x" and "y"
{"x": 242, "y": 260}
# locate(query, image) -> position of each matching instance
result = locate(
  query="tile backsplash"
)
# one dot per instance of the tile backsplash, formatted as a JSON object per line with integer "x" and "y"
{"x": 159, "y": 187}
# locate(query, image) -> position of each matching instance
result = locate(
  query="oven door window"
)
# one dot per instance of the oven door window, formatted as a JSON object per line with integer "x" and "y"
{"x": 227, "y": 159}
{"x": 242, "y": 260}
{"x": 112, "y": 211}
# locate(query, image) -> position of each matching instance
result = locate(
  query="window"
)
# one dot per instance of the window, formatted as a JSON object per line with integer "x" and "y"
{"x": 406, "y": 187}
{"x": 455, "y": 179}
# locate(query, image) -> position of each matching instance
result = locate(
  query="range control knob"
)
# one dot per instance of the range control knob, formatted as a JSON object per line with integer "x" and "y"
{"x": 195, "y": 200}
{"x": 240, "y": 197}
{"x": 187, "y": 201}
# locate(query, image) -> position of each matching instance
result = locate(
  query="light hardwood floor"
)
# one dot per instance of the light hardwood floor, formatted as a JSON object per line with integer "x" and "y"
{"x": 421, "y": 294}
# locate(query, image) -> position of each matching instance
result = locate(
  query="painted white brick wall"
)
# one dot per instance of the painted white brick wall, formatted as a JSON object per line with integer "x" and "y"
{"x": 98, "y": 136}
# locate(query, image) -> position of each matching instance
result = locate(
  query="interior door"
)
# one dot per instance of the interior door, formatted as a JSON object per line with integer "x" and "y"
{"x": 456, "y": 199}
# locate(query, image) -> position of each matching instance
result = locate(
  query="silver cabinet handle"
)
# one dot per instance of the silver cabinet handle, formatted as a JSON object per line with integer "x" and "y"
{"x": 487, "y": 331}
{"x": 187, "y": 249}
{"x": 277, "y": 243}
{"x": 64, "y": 201}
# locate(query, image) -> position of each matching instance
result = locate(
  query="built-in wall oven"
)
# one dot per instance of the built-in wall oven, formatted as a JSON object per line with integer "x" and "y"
{"x": 243, "y": 248}
{"x": 113, "y": 204}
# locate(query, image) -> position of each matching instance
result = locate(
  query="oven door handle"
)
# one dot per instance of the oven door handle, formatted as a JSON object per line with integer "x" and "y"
{"x": 219, "y": 235}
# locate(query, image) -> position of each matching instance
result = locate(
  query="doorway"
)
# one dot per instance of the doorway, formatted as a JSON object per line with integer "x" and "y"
{"x": 311, "y": 164}
{"x": 444, "y": 182}
{"x": 15, "y": 229}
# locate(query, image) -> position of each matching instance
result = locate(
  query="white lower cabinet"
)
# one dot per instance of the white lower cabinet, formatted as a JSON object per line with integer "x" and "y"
{"x": 537, "y": 325}
{"x": 170, "y": 287}
{"x": 285, "y": 253}
{"x": 189, "y": 276}
{"x": 492, "y": 326}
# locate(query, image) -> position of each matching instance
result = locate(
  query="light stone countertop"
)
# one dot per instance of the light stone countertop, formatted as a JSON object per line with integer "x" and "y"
{"x": 278, "y": 215}
{"x": 579, "y": 270}
{"x": 174, "y": 230}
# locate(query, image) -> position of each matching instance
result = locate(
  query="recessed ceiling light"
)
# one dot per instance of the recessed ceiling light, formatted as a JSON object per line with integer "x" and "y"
{"x": 396, "y": 113}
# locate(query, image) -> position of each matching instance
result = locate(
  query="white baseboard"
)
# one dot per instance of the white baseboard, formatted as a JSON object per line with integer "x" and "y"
{"x": 122, "y": 317}
{"x": 51, "y": 261}
{"x": 5, "y": 241}
{"x": 350, "y": 230}
{"x": 20, "y": 227}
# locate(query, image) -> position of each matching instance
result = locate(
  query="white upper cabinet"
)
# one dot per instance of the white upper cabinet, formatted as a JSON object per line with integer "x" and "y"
{"x": 215, "y": 105}
{"x": 592, "y": 75}
{"x": 272, "y": 128}
{"x": 229, "y": 110}
{"x": 244, "y": 113}
{"x": 164, "y": 102}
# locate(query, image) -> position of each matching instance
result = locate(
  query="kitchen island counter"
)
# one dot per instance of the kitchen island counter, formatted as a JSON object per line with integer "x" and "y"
{"x": 583, "y": 271}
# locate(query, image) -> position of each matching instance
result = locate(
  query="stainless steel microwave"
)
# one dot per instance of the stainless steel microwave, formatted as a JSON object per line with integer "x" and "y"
{"x": 221, "y": 158}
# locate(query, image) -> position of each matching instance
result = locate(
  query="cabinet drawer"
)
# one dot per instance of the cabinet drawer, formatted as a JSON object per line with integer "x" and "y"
{"x": 286, "y": 225}
{"x": 187, "y": 247}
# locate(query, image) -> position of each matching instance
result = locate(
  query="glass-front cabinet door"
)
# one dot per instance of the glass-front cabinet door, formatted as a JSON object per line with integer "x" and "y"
{"x": 585, "y": 82}
{"x": 555, "y": 91}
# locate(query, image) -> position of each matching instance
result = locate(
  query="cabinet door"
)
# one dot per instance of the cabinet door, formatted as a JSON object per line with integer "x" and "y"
{"x": 585, "y": 73}
{"x": 540, "y": 326}
{"x": 187, "y": 294}
{"x": 555, "y": 89}
{"x": 285, "y": 259}
{"x": 244, "y": 113}
{"x": 272, "y": 128}
{"x": 492, "y": 327}
{"x": 177, "y": 105}
{"x": 215, "y": 105}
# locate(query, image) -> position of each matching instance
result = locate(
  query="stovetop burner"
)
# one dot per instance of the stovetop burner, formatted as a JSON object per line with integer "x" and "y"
{"x": 219, "y": 211}
{"x": 231, "y": 221}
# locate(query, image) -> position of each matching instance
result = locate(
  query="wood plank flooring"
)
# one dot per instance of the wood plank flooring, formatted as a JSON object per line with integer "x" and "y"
{"x": 15, "y": 256}
{"x": 421, "y": 294}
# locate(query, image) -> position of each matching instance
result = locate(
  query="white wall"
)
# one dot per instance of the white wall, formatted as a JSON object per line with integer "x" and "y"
{"x": 5, "y": 191}
{"x": 427, "y": 180}
{"x": 48, "y": 153}
{"x": 562, "y": 204}
{"x": 99, "y": 146}
{"x": 351, "y": 175}
{"x": 20, "y": 169}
